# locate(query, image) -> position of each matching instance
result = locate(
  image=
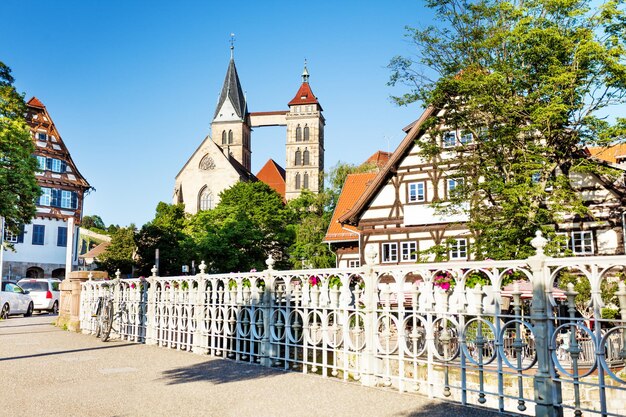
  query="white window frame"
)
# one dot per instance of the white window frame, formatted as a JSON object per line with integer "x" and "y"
{"x": 56, "y": 165}
{"x": 579, "y": 244}
{"x": 354, "y": 263}
{"x": 41, "y": 161}
{"x": 452, "y": 184}
{"x": 46, "y": 196}
{"x": 414, "y": 192}
{"x": 408, "y": 251}
{"x": 463, "y": 139}
{"x": 66, "y": 199}
{"x": 206, "y": 200}
{"x": 10, "y": 237}
{"x": 389, "y": 252}
{"x": 458, "y": 249}
{"x": 446, "y": 143}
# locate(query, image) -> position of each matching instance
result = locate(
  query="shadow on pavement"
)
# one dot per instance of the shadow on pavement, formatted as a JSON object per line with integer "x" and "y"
{"x": 217, "y": 371}
{"x": 43, "y": 331}
{"x": 27, "y": 325}
{"x": 63, "y": 352}
{"x": 444, "y": 409}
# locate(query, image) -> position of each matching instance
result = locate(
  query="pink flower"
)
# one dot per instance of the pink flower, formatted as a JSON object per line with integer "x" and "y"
{"x": 253, "y": 270}
{"x": 314, "y": 281}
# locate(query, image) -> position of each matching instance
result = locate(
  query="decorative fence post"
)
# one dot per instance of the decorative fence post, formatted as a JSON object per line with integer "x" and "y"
{"x": 151, "y": 308}
{"x": 266, "y": 297}
{"x": 368, "y": 373}
{"x": 547, "y": 392}
{"x": 199, "y": 340}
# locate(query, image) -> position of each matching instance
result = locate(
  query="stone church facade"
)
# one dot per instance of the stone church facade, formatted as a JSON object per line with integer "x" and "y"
{"x": 225, "y": 156}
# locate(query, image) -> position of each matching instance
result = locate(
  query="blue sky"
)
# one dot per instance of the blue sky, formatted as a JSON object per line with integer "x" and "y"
{"x": 132, "y": 85}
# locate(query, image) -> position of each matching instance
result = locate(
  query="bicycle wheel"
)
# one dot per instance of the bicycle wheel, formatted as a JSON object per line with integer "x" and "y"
{"x": 107, "y": 320}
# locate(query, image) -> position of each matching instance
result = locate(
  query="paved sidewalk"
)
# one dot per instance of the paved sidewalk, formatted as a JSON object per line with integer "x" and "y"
{"x": 51, "y": 372}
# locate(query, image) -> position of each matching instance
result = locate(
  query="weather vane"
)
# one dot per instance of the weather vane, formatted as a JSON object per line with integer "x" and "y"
{"x": 232, "y": 43}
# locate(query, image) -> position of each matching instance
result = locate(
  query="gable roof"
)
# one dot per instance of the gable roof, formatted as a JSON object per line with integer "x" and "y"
{"x": 304, "y": 96}
{"x": 273, "y": 175}
{"x": 232, "y": 90}
{"x": 96, "y": 251}
{"x": 354, "y": 186}
{"x": 609, "y": 154}
{"x": 352, "y": 216}
{"x": 39, "y": 119}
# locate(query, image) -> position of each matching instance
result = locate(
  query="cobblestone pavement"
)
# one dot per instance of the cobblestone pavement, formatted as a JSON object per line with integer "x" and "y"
{"x": 46, "y": 371}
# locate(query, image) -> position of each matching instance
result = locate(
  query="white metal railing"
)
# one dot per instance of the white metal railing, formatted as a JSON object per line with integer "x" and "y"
{"x": 398, "y": 326}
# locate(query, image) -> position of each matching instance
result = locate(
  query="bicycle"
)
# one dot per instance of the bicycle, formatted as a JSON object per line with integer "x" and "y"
{"x": 105, "y": 313}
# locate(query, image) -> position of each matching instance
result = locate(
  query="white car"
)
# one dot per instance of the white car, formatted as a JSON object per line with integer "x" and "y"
{"x": 44, "y": 292}
{"x": 15, "y": 300}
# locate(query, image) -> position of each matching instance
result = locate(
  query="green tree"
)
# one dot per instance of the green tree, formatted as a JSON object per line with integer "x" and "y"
{"x": 527, "y": 80}
{"x": 18, "y": 185}
{"x": 310, "y": 220}
{"x": 166, "y": 233}
{"x": 93, "y": 222}
{"x": 119, "y": 254}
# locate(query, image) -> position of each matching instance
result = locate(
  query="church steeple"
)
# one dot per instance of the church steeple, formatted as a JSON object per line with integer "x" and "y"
{"x": 231, "y": 91}
{"x": 305, "y": 73}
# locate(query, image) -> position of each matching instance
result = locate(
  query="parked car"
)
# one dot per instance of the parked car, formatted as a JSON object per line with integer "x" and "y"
{"x": 44, "y": 292}
{"x": 15, "y": 300}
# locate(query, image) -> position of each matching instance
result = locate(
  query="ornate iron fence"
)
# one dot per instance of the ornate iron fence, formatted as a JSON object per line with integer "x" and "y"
{"x": 459, "y": 331}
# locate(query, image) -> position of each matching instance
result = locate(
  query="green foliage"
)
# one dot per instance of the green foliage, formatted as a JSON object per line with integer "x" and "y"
{"x": 475, "y": 278}
{"x": 309, "y": 221}
{"x": 610, "y": 314}
{"x": 581, "y": 286}
{"x": 527, "y": 80}
{"x": 166, "y": 233}
{"x": 119, "y": 254}
{"x": 93, "y": 222}
{"x": 334, "y": 282}
{"x": 18, "y": 185}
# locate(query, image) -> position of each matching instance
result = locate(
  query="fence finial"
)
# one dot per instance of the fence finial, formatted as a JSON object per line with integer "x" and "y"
{"x": 370, "y": 254}
{"x": 270, "y": 262}
{"x": 90, "y": 276}
{"x": 154, "y": 271}
{"x": 202, "y": 267}
{"x": 539, "y": 242}
{"x": 118, "y": 274}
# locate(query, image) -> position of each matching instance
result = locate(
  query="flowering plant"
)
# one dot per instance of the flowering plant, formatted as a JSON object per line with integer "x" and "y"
{"x": 314, "y": 281}
{"x": 334, "y": 282}
{"x": 443, "y": 280}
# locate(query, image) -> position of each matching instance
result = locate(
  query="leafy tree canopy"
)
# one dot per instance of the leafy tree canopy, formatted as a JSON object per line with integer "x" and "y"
{"x": 527, "y": 79}
{"x": 119, "y": 254}
{"x": 93, "y": 222}
{"x": 18, "y": 186}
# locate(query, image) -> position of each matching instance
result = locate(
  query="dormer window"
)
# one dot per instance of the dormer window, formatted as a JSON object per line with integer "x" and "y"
{"x": 449, "y": 139}
{"x": 42, "y": 136}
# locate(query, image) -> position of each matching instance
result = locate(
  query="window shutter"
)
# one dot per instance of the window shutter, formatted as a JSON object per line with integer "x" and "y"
{"x": 20, "y": 237}
{"x": 74, "y": 200}
{"x": 56, "y": 198}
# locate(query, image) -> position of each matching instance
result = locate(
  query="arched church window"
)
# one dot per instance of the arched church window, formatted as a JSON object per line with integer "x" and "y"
{"x": 306, "y": 133}
{"x": 223, "y": 137}
{"x": 298, "y": 134}
{"x": 206, "y": 199}
{"x": 297, "y": 180}
{"x": 298, "y": 157}
{"x": 305, "y": 157}
{"x": 305, "y": 182}
{"x": 230, "y": 137}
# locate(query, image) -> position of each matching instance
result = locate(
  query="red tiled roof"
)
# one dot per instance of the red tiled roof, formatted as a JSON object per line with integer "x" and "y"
{"x": 304, "y": 96}
{"x": 379, "y": 159}
{"x": 273, "y": 175}
{"x": 34, "y": 102}
{"x": 353, "y": 188}
{"x": 95, "y": 252}
{"x": 609, "y": 154}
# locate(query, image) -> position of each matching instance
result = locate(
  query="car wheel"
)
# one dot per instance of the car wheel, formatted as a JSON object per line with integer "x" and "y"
{"x": 29, "y": 312}
{"x": 55, "y": 308}
{"x": 4, "y": 314}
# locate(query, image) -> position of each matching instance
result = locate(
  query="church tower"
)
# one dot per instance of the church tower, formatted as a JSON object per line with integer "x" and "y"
{"x": 230, "y": 128}
{"x": 305, "y": 142}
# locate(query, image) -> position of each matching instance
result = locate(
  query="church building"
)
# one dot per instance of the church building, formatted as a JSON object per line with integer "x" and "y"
{"x": 225, "y": 157}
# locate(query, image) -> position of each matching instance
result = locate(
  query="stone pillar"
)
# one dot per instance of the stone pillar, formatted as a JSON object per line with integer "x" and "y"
{"x": 369, "y": 364}
{"x": 69, "y": 310}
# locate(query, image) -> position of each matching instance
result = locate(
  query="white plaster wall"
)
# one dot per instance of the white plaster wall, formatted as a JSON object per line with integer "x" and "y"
{"x": 49, "y": 252}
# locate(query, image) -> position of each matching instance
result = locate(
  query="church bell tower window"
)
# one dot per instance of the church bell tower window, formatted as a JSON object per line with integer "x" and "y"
{"x": 297, "y": 181}
{"x": 306, "y": 133}
{"x": 298, "y": 160}
{"x": 306, "y": 158}
{"x": 298, "y": 134}
{"x": 305, "y": 182}
{"x": 230, "y": 137}
{"x": 223, "y": 137}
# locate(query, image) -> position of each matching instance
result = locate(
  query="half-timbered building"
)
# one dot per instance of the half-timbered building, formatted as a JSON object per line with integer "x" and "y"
{"x": 41, "y": 247}
{"x": 395, "y": 216}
